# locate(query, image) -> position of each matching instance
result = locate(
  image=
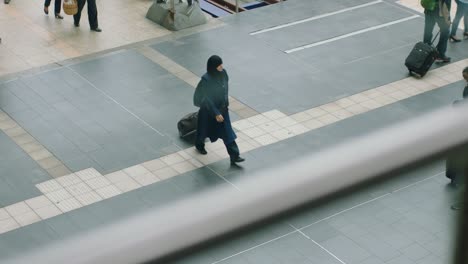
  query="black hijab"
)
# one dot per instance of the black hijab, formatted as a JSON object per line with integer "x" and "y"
{"x": 213, "y": 62}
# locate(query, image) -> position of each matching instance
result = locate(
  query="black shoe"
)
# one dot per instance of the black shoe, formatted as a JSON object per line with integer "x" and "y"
{"x": 96, "y": 29}
{"x": 465, "y": 34}
{"x": 454, "y": 39}
{"x": 443, "y": 59}
{"x": 58, "y": 16}
{"x": 7, "y": 1}
{"x": 201, "y": 150}
{"x": 46, "y": 10}
{"x": 76, "y": 24}
{"x": 237, "y": 160}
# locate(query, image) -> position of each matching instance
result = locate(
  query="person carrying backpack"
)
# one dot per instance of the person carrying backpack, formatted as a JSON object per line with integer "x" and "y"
{"x": 437, "y": 11}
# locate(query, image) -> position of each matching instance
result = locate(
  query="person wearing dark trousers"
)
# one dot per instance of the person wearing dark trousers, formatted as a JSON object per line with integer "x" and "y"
{"x": 57, "y": 8}
{"x": 92, "y": 14}
{"x": 462, "y": 11}
{"x": 440, "y": 15}
{"x": 211, "y": 95}
{"x": 457, "y": 163}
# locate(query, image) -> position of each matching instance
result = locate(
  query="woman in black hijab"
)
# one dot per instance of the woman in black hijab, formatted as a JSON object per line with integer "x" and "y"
{"x": 212, "y": 96}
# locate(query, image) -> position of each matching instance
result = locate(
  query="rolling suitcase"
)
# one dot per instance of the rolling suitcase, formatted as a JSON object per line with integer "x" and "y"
{"x": 421, "y": 58}
{"x": 187, "y": 125}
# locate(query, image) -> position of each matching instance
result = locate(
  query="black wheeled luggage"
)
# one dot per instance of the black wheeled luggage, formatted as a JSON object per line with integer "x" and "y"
{"x": 421, "y": 58}
{"x": 187, "y": 125}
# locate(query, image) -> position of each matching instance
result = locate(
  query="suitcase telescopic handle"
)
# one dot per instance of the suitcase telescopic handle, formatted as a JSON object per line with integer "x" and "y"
{"x": 432, "y": 42}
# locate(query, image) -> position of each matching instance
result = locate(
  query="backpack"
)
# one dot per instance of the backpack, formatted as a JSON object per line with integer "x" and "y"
{"x": 429, "y": 4}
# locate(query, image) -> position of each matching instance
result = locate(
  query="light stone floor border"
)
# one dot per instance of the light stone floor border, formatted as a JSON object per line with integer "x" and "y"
{"x": 86, "y": 187}
{"x": 32, "y": 147}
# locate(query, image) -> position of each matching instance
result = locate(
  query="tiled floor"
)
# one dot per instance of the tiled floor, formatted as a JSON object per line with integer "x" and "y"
{"x": 101, "y": 131}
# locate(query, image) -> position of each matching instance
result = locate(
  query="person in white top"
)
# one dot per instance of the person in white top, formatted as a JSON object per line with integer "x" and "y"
{"x": 462, "y": 11}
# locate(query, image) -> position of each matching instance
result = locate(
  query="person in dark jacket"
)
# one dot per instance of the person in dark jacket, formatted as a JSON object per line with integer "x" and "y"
{"x": 457, "y": 164}
{"x": 92, "y": 14}
{"x": 211, "y": 95}
{"x": 441, "y": 16}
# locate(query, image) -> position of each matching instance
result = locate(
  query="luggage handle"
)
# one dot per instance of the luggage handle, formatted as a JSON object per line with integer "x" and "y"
{"x": 432, "y": 42}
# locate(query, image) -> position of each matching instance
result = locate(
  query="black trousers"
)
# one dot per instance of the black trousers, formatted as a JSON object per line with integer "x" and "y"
{"x": 232, "y": 148}
{"x": 92, "y": 13}
{"x": 430, "y": 19}
{"x": 58, "y": 5}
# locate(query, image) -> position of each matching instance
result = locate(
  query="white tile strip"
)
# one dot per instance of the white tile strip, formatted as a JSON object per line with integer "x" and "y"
{"x": 351, "y": 34}
{"x": 314, "y": 18}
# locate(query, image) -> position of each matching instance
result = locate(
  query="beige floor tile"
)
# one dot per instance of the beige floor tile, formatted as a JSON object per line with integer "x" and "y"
{"x": 15, "y": 132}
{"x": 108, "y": 191}
{"x": 69, "y": 205}
{"x": 342, "y": 114}
{"x": 274, "y": 114}
{"x": 117, "y": 176}
{"x": 242, "y": 124}
{"x": 172, "y": 159}
{"x": 32, "y": 147}
{"x": 127, "y": 185}
{"x": 27, "y": 218}
{"x": 58, "y": 171}
{"x": 282, "y": 134}
{"x": 286, "y": 122}
{"x": 146, "y": 179}
{"x": 331, "y": 107}
{"x": 135, "y": 170}
{"x": 358, "y": 98}
{"x": 246, "y": 112}
{"x": 327, "y": 119}
{"x": 196, "y": 163}
{"x": 344, "y": 102}
{"x": 316, "y": 112}
{"x": 38, "y": 202}
{"x": 298, "y": 129}
{"x": 372, "y": 104}
{"x": 4, "y": 214}
{"x": 254, "y": 132}
{"x": 49, "y": 186}
{"x": 8, "y": 225}
{"x": 99, "y": 182}
{"x": 58, "y": 196}
{"x": 7, "y": 124}
{"x": 357, "y": 109}
{"x": 88, "y": 198}
{"x": 155, "y": 164}
{"x": 184, "y": 166}
{"x": 88, "y": 174}
{"x": 301, "y": 117}
{"x": 68, "y": 180}
{"x": 211, "y": 157}
{"x": 266, "y": 140}
{"x": 18, "y": 209}
{"x": 48, "y": 211}
{"x": 313, "y": 124}
{"x": 166, "y": 173}
{"x": 40, "y": 154}
{"x": 49, "y": 162}
{"x": 78, "y": 189}
{"x": 258, "y": 119}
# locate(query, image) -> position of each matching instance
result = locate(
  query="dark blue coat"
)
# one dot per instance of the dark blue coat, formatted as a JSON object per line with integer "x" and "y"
{"x": 211, "y": 96}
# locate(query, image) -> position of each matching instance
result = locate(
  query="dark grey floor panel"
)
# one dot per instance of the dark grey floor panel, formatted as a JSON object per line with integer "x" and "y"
{"x": 287, "y": 12}
{"x": 18, "y": 173}
{"x": 109, "y": 113}
{"x": 332, "y": 26}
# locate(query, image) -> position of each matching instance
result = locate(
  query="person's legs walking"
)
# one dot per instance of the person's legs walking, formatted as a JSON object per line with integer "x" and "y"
{"x": 456, "y": 22}
{"x": 57, "y": 9}
{"x": 77, "y": 17}
{"x": 429, "y": 23}
{"x": 233, "y": 151}
{"x": 443, "y": 39}
{"x": 93, "y": 15}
